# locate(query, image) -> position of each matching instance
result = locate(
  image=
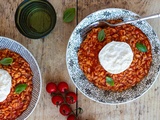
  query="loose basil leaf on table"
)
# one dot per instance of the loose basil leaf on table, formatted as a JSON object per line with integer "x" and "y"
{"x": 69, "y": 15}
{"x": 6, "y": 61}
{"x": 141, "y": 47}
{"x": 101, "y": 35}
{"x": 110, "y": 81}
{"x": 20, "y": 88}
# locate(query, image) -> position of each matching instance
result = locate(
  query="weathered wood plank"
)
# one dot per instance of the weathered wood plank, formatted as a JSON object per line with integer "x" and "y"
{"x": 50, "y": 55}
{"x": 145, "y": 108}
{"x": 49, "y": 52}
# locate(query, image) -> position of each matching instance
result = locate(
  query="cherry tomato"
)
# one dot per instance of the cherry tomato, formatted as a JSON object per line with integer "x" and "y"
{"x": 71, "y": 117}
{"x": 71, "y": 98}
{"x": 62, "y": 87}
{"x": 51, "y": 87}
{"x": 65, "y": 109}
{"x": 57, "y": 100}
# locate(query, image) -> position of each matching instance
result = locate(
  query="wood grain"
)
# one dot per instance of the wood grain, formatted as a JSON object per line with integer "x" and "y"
{"x": 50, "y": 54}
{"x": 144, "y": 108}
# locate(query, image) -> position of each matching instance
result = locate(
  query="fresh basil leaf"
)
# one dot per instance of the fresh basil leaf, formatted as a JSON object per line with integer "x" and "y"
{"x": 101, "y": 35}
{"x": 69, "y": 15}
{"x": 20, "y": 88}
{"x": 6, "y": 61}
{"x": 110, "y": 81}
{"x": 141, "y": 47}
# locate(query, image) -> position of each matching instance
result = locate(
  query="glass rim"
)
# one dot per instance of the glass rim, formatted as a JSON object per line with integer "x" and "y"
{"x": 18, "y": 16}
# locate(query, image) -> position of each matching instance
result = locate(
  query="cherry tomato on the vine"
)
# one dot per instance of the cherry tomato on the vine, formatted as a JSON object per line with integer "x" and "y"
{"x": 65, "y": 109}
{"x": 71, "y": 117}
{"x": 57, "y": 100}
{"x": 51, "y": 87}
{"x": 71, "y": 98}
{"x": 62, "y": 87}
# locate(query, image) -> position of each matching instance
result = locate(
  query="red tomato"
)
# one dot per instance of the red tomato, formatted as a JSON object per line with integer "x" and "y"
{"x": 71, "y": 117}
{"x": 62, "y": 87}
{"x": 51, "y": 87}
{"x": 71, "y": 98}
{"x": 57, "y": 100}
{"x": 65, "y": 109}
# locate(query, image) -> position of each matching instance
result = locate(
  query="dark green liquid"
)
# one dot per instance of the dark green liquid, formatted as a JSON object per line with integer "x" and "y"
{"x": 35, "y": 18}
{"x": 39, "y": 21}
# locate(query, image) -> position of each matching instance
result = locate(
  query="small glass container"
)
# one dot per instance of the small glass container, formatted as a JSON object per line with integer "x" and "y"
{"x": 35, "y": 18}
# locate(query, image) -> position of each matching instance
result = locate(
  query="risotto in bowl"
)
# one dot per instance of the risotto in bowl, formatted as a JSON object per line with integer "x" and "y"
{"x": 20, "y": 81}
{"x": 113, "y": 65}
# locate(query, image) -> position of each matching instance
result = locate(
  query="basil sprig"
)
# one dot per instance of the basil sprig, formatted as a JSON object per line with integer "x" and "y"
{"x": 110, "y": 81}
{"x": 141, "y": 47}
{"x": 20, "y": 88}
{"x": 101, "y": 35}
{"x": 6, "y": 61}
{"x": 69, "y": 14}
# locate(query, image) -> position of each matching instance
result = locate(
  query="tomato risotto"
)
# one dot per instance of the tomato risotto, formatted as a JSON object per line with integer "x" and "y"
{"x": 16, "y": 103}
{"x": 95, "y": 73}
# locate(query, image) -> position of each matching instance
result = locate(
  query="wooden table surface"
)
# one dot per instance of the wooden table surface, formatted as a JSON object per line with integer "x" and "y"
{"x": 50, "y": 54}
